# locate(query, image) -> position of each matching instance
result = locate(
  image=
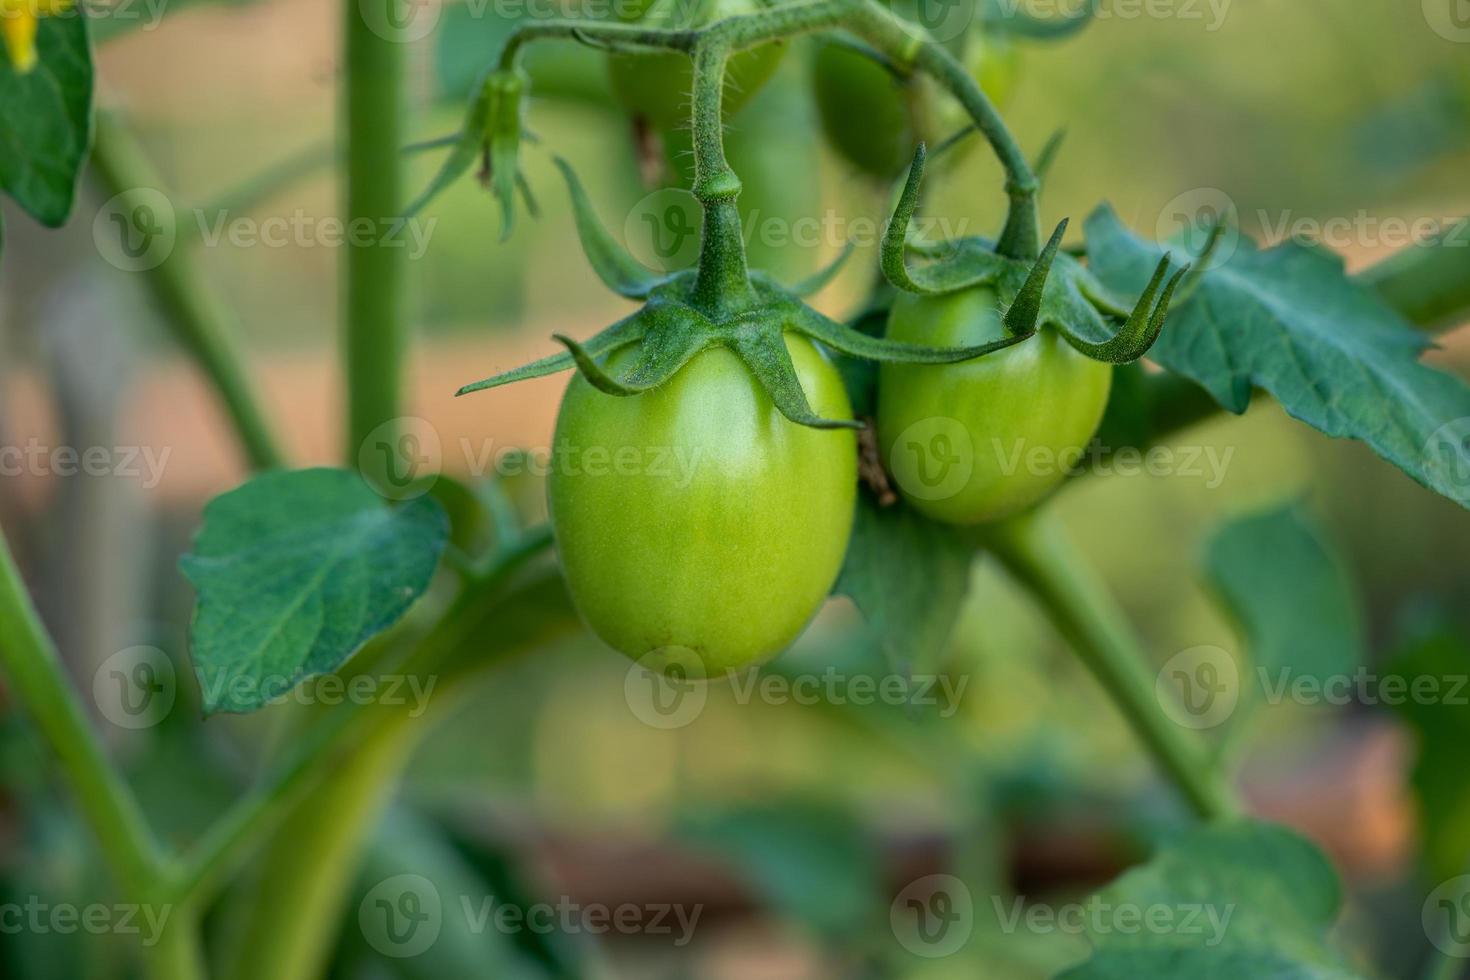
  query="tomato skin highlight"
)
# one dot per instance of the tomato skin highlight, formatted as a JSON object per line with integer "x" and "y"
{"x": 1009, "y": 424}
{"x": 724, "y": 538}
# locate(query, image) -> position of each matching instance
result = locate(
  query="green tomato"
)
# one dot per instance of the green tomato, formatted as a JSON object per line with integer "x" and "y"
{"x": 657, "y": 85}
{"x": 864, "y": 109}
{"x": 874, "y": 119}
{"x": 981, "y": 440}
{"x": 696, "y": 524}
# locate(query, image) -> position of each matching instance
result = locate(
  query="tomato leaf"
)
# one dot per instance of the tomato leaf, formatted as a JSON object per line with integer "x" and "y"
{"x": 1436, "y": 665}
{"x": 296, "y": 570}
{"x": 1289, "y": 593}
{"x": 46, "y": 120}
{"x": 1289, "y": 320}
{"x": 1241, "y": 899}
{"x": 908, "y": 576}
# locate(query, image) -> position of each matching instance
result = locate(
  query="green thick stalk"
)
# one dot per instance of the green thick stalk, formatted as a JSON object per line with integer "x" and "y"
{"x": 375, "y": 273}
{"x": 1038, "y": 556}
{"x": 34, "y": 673}
{"x": 194, "y": 313}
{"x": 722, "y": 283}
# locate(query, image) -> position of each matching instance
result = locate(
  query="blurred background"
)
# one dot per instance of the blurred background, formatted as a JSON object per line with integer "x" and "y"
{"x": 791, "y": 826}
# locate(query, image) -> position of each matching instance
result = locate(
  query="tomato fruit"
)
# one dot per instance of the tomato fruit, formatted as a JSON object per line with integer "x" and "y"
{"x": 694, "y": 522}
{"x": 657, "y": 85}
{"x": 981, "y": 440}
{"x": 874, "y": 119}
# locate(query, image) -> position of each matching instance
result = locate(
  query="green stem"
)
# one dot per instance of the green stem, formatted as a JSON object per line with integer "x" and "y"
{"x": 1038, "y": 556}
{"x": 258, "y": 814}
{"x": 197, "y": 316}
{"x": 375, "y": 307}
{"x": 722, "y": 284}
{"x": 38, "y": 680}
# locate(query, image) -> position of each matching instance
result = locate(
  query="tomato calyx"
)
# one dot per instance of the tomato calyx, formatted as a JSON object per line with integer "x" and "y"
{"x": 1056, "y": 291}
{"x": 676, "y": 323}
{"x": 490, "y": 136}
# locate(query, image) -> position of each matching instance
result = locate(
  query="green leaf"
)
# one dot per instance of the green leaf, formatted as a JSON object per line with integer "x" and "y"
{"x": 46, "y": 120}
{"x": 1225, "y": 902}
{"x": 1432, "y": 669}
{"x": 1290, "y": 321}
{"x": 908, "y": 576}
{"x": 1288, "y": 590}
{"x": 296, "y": 570}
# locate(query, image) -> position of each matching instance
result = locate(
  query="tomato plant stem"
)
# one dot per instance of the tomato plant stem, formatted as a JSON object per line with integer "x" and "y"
{"x": 36, "y": 676}
{"x": 374, "y": 270}
{"x": 1037, "y": 554}
{"x": 194, "y": 313}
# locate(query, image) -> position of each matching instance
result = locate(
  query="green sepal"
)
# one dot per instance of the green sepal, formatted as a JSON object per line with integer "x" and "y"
{"x": 628, "y": 330}
{"x": 1141, "y": 329}
{"x": 763, "y": 349}
{"x": 617, "y": 269}
{"x": 845, "y": 340}
{"x": 491, "y": 135}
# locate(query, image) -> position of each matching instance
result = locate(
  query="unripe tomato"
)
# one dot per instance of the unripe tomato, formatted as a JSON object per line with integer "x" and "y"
{"x": 693, "y": 521}
{"x": 874, "y": 119}
{"x": 980, "y": 440}
{"x": 658, "y": 85}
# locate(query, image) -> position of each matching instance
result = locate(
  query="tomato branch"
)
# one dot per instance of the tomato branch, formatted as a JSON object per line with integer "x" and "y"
{"x": 1040, "y": 558}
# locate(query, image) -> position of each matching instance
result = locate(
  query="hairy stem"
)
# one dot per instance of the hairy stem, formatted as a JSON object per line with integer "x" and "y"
{"x": 1039, "y": 557}
{"x": 194, "y": 313}
{"x": 722, "y": 284}
{"x": 375, "y": 308}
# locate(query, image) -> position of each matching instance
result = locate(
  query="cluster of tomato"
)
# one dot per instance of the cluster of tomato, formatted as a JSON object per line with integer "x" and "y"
{"x": 722, "y": 533}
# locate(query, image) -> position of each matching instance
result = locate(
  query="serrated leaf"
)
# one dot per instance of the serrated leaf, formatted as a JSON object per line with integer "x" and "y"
{"x": 1290, "y": 321}
{"x": 46, "y": 120}
{"x": 1224, "y": 902}
{"x": 908, "y": 576}
{"x": 295, "y": 570}
{"x": 1430, "y": 672}
{"x": 1288, "y": 590}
